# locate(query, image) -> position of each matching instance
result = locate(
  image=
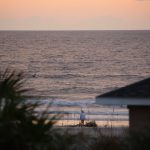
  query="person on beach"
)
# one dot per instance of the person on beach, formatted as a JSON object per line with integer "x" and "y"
{"x": 82, "y": 117}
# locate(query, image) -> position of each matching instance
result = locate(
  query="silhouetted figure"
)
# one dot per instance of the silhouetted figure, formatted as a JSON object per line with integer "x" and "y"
{"x": 82, "y": 117}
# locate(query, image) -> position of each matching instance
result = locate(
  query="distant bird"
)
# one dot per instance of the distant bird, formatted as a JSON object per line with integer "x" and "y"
{"x": 34, "y": 75}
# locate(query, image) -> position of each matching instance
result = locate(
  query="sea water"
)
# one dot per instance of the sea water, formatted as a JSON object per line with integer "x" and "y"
{"x": 70, "y": 68}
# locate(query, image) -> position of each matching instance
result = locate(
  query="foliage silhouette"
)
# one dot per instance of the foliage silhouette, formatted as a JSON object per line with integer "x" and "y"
{"x": 20, "y": 127}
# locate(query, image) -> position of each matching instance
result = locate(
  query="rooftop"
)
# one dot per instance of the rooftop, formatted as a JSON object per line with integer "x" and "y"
{"x": 136, "y": 94}
{"x": 140, "y": 89}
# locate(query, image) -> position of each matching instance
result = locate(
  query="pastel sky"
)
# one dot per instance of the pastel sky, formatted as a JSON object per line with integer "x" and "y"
{"x": 74, "y": 14}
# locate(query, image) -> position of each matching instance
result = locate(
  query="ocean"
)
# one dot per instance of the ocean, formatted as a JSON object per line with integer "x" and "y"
{"x": 71, "y": 68}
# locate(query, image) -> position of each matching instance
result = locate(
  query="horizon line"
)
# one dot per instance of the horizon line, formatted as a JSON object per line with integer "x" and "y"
{"x": 74, "y": 29}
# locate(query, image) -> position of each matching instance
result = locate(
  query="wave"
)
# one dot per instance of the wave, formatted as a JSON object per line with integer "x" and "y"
{"x": 125, "y": 113}
{"x": 58, "y": 102}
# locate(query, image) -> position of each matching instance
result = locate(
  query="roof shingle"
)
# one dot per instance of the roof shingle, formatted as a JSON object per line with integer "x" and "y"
{"x": 139, "y": 89}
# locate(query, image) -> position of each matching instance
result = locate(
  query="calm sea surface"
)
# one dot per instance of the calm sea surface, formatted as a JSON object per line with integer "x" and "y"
{"x": 72, "y": 67}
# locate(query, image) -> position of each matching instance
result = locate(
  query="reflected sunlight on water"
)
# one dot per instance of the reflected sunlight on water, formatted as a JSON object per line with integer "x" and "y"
{"x": 73, "y": 67}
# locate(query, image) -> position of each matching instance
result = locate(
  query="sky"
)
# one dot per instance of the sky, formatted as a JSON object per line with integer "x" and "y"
{"x": 74, "y": 14}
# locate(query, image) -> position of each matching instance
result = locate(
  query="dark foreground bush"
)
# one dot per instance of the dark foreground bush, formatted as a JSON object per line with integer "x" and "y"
{"x": 105, "y": 142}
{"x": 130, "y": 140}
{"x": 137, "y": 140}
{"x": 20, "y": 128}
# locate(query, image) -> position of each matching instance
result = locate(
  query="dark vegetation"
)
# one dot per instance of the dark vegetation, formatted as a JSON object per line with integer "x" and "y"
{"x": 22, "y": 129}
